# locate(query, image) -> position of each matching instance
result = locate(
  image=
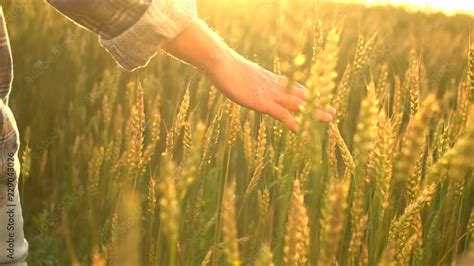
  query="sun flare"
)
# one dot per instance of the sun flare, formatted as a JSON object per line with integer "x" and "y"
{"x": 449, "y": 7}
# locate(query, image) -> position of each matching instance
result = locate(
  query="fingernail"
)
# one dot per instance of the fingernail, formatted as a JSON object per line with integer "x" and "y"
{"x": 328, "y": 117}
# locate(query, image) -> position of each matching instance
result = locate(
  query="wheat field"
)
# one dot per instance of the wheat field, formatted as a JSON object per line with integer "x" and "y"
{"x": 157, "y": 167}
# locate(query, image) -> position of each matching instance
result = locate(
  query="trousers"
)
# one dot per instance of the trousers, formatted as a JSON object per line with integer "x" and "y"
{"x": 13, "y": 245}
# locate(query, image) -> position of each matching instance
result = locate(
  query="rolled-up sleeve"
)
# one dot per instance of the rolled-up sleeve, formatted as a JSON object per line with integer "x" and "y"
{"x": 132, "y": 31}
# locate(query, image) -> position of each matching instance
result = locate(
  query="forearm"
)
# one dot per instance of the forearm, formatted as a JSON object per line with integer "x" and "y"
{"x": 199, "y": 46}
{"x": 241, "y": 80}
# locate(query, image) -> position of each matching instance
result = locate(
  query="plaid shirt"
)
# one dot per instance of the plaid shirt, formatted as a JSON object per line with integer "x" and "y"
{"x": 104, "y": 17}
{"x": 131, "y": 30}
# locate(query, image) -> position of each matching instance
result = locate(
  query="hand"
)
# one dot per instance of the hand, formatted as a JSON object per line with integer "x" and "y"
{"x": 254, "y": 87}
{"x": 244, "y": 82}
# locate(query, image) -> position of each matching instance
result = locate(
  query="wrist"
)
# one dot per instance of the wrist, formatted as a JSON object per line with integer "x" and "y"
{"x": 201, "y": 47}
{"x": 212, "y": 50}
{"x": 217, "y": 59}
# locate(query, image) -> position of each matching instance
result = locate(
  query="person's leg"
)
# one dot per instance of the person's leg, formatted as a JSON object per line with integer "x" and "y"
{"x": 13, "y": 246}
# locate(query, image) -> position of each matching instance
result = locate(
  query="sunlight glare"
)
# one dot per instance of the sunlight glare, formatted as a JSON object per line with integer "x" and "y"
{"x": 449, "y": 7}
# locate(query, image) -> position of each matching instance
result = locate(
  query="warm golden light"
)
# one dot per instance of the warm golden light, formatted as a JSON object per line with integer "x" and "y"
{"x": 449, "y": 7}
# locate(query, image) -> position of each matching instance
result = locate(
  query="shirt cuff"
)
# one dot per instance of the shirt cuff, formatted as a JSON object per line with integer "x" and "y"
{"x": 164, "y": 19}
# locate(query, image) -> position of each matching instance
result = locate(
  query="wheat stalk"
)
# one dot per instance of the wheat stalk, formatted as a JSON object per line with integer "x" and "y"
{"x": 295, "y": 250}
{"x": 333, "y": 221}
{"x": 229, "y": 227}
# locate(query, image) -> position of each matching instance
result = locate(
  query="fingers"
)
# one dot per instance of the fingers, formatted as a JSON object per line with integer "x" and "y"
{"x": 299, "y": 86}
{"x": 323, "y": 116}
{"x": 332, "y": 111}
{"x": 293, "y": 103}
{"x": 298, "y": 91}
{"x": 280, "y": 113}
{"x": 295, "y": 90}
{"x": 290, "y": 102}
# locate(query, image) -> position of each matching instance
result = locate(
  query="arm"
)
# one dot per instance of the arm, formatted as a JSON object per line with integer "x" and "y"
{"x": 173, "y": 25}
{"x": 239, "y": 79}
